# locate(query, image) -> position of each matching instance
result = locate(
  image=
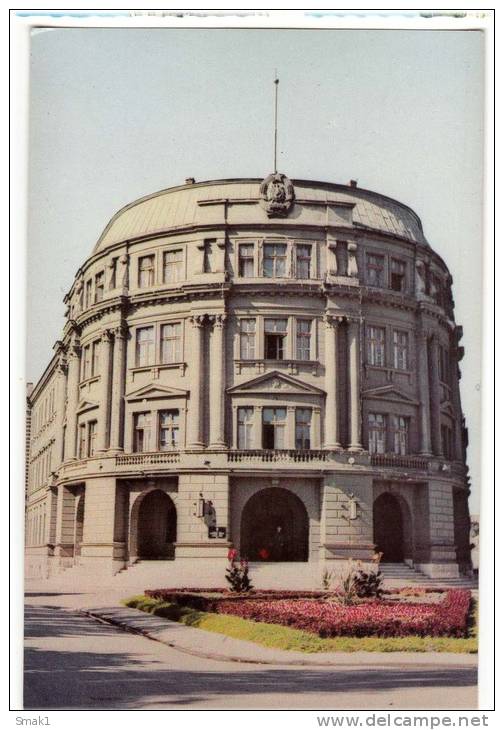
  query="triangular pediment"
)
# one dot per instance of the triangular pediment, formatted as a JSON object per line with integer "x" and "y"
{"x": 276, "y": 382}
{"x": 153, "y": 392}
{"x": 389, "y": 393}
{"x": 86, "y": 405}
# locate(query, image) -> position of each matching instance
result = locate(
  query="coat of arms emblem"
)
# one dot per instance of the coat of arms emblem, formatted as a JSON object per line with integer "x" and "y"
{"x": 277, "y": 195}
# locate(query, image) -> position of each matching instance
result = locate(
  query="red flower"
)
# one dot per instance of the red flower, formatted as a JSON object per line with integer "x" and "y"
{"x": 232, "y": 554}
{"x": 263, "y": 554}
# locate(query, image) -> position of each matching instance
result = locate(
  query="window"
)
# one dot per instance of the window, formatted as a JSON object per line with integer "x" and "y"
{"x": 275, "y": 334}
{"x": 444, "y": 365}
{"x": 89, "y": 290}
{"x": 397, "y": 275}
{"x": 146, "y": 271}
{"x": 145, "y": 346}
{"x": 303, "y": 428}
{"x": 376, "y": 346}
{"x": 303, "y": 261}
{"x": 168, "y": 430}
{"x": 274, "y": 260}
{"x": 99, "y": 286}
{"x": 247, "y": 339}
{"x": 92, "y": 438}
{"x": 82, "y": 441}
{"x": 246, "y": 259}
{"x": 400, "y": 434}
{"x": 375, "y": 270}
{"x": 86, "y": 362}
{"x": 95, "y": 358}
{"x": 273, "y": 429}
{"x": 171, "y": 343}
{"x": 172, "y": 266}
{"x": 142, "y": 432}
{"x": 245, "y": 427}
{"x": 436, "y": 290}
{"x": 447, "y": 441}
{"x": 400, "y": 343}
{"x": 377, "y": 433}
{"x": 303, "y": 339}
{"x": 207, "y": 256}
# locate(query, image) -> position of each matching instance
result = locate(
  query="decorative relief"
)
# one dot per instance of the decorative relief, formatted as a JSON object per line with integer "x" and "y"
{"x": 277, "y": 195}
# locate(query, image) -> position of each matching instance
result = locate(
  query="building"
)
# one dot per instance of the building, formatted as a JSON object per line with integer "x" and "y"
{"x": 269, "y": 364}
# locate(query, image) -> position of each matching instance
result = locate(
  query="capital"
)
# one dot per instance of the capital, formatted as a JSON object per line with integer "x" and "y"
{"x": 197, "y": 320}
{"x": 106, "y": 336}
{"x": 218, "y": 320}
{"x": 121, "y": 332}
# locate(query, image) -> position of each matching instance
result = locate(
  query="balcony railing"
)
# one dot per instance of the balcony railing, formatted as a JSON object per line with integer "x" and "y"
{"x": 395, "y": 460}
{"x": 276, "y": 455}
{"x": 163, "y": 457}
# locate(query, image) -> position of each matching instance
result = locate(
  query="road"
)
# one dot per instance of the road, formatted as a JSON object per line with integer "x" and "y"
{"x": 75, "y": 662}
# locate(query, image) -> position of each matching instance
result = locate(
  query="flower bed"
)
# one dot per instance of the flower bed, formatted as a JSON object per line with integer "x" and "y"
{"x": 376, "y": 618}
{"x": 329, "y": 618}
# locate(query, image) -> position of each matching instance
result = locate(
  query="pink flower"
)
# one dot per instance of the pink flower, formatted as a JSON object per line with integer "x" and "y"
{"x": 232, "y": 554}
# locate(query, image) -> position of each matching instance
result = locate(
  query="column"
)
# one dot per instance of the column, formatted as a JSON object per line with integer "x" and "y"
{"x": 118, "y": 384}
{"x": 60, "y": 398}
{"x": 435, "y": 396}
{"x": 217, "y": 383}
{"x": 73, "y": 359}
{"x": 258, "y": 444}
{"x": 331, "y": 375}
{"x": 459, "y": 451}
{"x": 195, "y": 428}
{"x": 105, "y": 370}
{"x": 290, "y": 428}
{"x": 354, "y": 376}
{"x": 424, "y": 396}
{"x": 315, "y": 428}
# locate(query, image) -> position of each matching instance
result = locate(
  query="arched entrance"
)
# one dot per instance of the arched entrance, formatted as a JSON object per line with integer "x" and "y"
{"x": 157, "y": 526}
{"x": 388, "y": 527}
{"x": 274, "y": 527}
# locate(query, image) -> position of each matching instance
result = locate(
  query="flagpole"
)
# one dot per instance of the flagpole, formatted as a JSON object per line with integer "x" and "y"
{"x": 276, "y": 117}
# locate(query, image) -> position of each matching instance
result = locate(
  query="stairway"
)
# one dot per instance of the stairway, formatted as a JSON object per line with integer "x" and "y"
{"x": 398, "y": 575}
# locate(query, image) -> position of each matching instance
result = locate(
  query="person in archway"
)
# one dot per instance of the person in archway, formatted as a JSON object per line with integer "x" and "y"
{"x": 278, "y": 547}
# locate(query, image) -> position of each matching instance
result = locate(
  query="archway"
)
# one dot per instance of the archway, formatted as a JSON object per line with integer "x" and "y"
{"x": 274, "y": 527}
{"x": 157, "y": 526}
{"x": 388, "y": 527}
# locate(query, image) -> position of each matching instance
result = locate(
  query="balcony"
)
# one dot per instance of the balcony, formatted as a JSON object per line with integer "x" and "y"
{"x": 397, "y": 461}
{"x": 161, "y": 457}
{"x": 254, "y": 456}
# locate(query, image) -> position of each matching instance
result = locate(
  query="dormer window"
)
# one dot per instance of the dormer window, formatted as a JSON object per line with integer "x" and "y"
{"x": 275, "y": 336}
{"x": 89, "y": 291}
{"x": 274, "y": 260}
{"x": 146, "y": 271}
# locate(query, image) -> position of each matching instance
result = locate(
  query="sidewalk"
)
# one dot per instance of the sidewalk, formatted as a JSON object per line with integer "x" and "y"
{"x": 209, "y": 645}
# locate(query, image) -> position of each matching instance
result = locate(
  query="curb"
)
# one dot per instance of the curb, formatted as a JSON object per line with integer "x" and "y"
{"x": 122, "y": 624}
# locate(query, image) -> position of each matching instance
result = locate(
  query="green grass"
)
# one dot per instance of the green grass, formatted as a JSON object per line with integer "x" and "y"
{"x": 283, "y": 637}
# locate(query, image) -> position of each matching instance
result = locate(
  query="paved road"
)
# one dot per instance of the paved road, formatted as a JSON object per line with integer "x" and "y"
{"x": 72, "y": 661}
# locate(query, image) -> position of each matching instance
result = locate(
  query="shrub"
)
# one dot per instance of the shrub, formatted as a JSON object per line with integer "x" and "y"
{"x": 368, "y": 583}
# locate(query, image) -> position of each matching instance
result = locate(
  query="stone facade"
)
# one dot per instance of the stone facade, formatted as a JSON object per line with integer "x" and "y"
{"x": 267, "y": 367}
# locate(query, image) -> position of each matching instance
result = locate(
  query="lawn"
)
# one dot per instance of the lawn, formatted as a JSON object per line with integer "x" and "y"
{"x": 293, "y": 639}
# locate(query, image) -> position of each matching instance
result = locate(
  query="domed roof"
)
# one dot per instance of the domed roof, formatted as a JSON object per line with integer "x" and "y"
{"x": 203, "y": 204}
